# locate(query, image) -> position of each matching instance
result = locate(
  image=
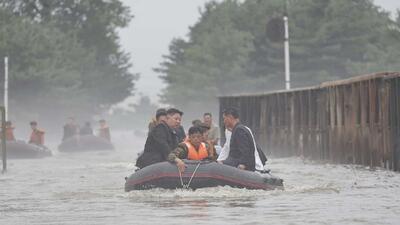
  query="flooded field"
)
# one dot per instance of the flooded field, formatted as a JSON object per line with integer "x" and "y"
{"x": 88, "y": 188}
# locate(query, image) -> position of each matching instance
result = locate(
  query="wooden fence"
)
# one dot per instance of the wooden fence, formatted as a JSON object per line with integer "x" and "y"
{"x": 355, "y": 120}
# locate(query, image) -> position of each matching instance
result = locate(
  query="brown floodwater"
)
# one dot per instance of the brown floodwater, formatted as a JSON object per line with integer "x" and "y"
{"x": 88, "y": 188}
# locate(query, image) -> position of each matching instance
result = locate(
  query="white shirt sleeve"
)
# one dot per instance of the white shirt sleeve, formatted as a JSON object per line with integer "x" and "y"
{"x": 259, "y": 165}
{"x": 225, "y": 149}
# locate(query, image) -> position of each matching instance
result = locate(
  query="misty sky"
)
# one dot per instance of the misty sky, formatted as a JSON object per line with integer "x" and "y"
{"x": 155, "y": 24}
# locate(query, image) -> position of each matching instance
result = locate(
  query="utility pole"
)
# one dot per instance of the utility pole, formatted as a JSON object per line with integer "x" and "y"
{"x": 287, "y": 52}
{"x": 6, "y": 86}
{"x": 3, "y": 111}
{"x": 3, "y": 138}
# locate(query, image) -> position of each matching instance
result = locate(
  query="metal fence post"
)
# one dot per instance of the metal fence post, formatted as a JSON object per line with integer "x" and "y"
{"x": 3, "y": 138}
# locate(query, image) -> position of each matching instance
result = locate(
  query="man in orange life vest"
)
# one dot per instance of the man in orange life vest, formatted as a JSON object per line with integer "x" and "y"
{"x": 9, "y": 131}
{"x": 37, "y": 136}
{"x": 192, "y": 149}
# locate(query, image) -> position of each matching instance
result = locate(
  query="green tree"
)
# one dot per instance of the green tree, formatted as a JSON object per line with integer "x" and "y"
{"x": 46, "y": 65}
{"x": 199, "y": 69}
{"x": 228, "y": 50}
{"x": 65, "y": 55}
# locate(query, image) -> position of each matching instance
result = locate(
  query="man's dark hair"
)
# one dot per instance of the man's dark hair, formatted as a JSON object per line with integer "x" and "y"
{"x": 204, "y": 127}
{"x": 231, "y": 111}
{"x": 173, "y": 111}
{"x": 196, "y": 122}
{"x": 195, "y": 130}
{"x": 161, "y": 112}
{"x": 33, "y": 123}
{"x": 207, "y": 114}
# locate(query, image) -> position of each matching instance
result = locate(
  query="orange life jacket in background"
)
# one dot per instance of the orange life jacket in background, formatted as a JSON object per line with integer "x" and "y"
{"x": 37, "y": 137}
{"x": 194, "y": 154}
{"x": 10, "y": 134}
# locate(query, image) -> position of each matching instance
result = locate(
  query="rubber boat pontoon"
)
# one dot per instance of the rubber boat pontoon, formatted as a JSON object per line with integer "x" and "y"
{"x": 199, "y": 174}
{"x": 85, "y": 143}
{"x": 21, "y": 149}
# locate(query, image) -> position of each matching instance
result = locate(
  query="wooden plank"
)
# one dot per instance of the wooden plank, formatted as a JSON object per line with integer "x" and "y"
{"x": 360, "y": 122}
{"x": 384, "y": 152}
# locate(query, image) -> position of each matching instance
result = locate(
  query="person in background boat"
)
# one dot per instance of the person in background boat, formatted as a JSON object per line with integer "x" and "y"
{"x": 193, "y": 149}
{"x": 161, "y": 115}
{"x": 161, "y": 140}
{"x": 243, "y": 151}
{"x": 213, "y": 132}
{"x": 86, "y": 129}
{"x": 104, "y": 130}
{"x": 9, "y": 131}
{"x": 37, "y": 135}
{"x": 70, "y": 129}
{"x": 179, "y": 130}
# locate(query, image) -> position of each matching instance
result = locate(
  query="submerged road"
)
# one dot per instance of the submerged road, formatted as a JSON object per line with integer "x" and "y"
{"x": 88, "y": 188}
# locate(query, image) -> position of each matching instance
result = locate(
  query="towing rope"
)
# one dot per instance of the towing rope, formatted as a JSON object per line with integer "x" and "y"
{"x": 186, "y": 186}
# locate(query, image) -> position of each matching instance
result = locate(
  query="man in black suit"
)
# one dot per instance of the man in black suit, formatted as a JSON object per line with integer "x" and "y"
{"x": 161, "y": 140}
{"x": 242, "y": 147}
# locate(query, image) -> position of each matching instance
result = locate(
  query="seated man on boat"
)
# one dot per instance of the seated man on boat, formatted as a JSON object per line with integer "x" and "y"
{"x": 10, "y": 131}
{"x": 86, "y": 129}
{"x": 70, "y": 129}
{"x": 37, "y": 135}
{"x": 161, "y": 115}
{"x": 160, "y": 141}
{"x": 243, "y": 152}
{"x": 193, "y": 149}
{"x": 104, "y": 130}
{"x": 213, "y": 132}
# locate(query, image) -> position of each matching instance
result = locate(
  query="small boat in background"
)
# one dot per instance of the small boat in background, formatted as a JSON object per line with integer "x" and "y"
{"x": 21, "y": 149}
{"x": 199, "y": 174}
{"x": 85, "y": 143}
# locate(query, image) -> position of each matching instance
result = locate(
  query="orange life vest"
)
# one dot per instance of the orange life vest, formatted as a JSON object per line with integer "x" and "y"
{"x": 37, "y": 137}
{"x": 10, "y": 134}
{"x": 194, "y": 154}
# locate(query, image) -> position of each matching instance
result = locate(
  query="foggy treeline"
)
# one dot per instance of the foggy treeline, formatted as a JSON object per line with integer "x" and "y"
{"x": 65, "y": 58}
{"x": 233, "y": 48}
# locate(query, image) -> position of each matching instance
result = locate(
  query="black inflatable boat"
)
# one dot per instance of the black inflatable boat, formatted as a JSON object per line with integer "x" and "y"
{"x": 21, "y": 149}
{"x": 199, "y": 174}
{"x": 85, "y": 143}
